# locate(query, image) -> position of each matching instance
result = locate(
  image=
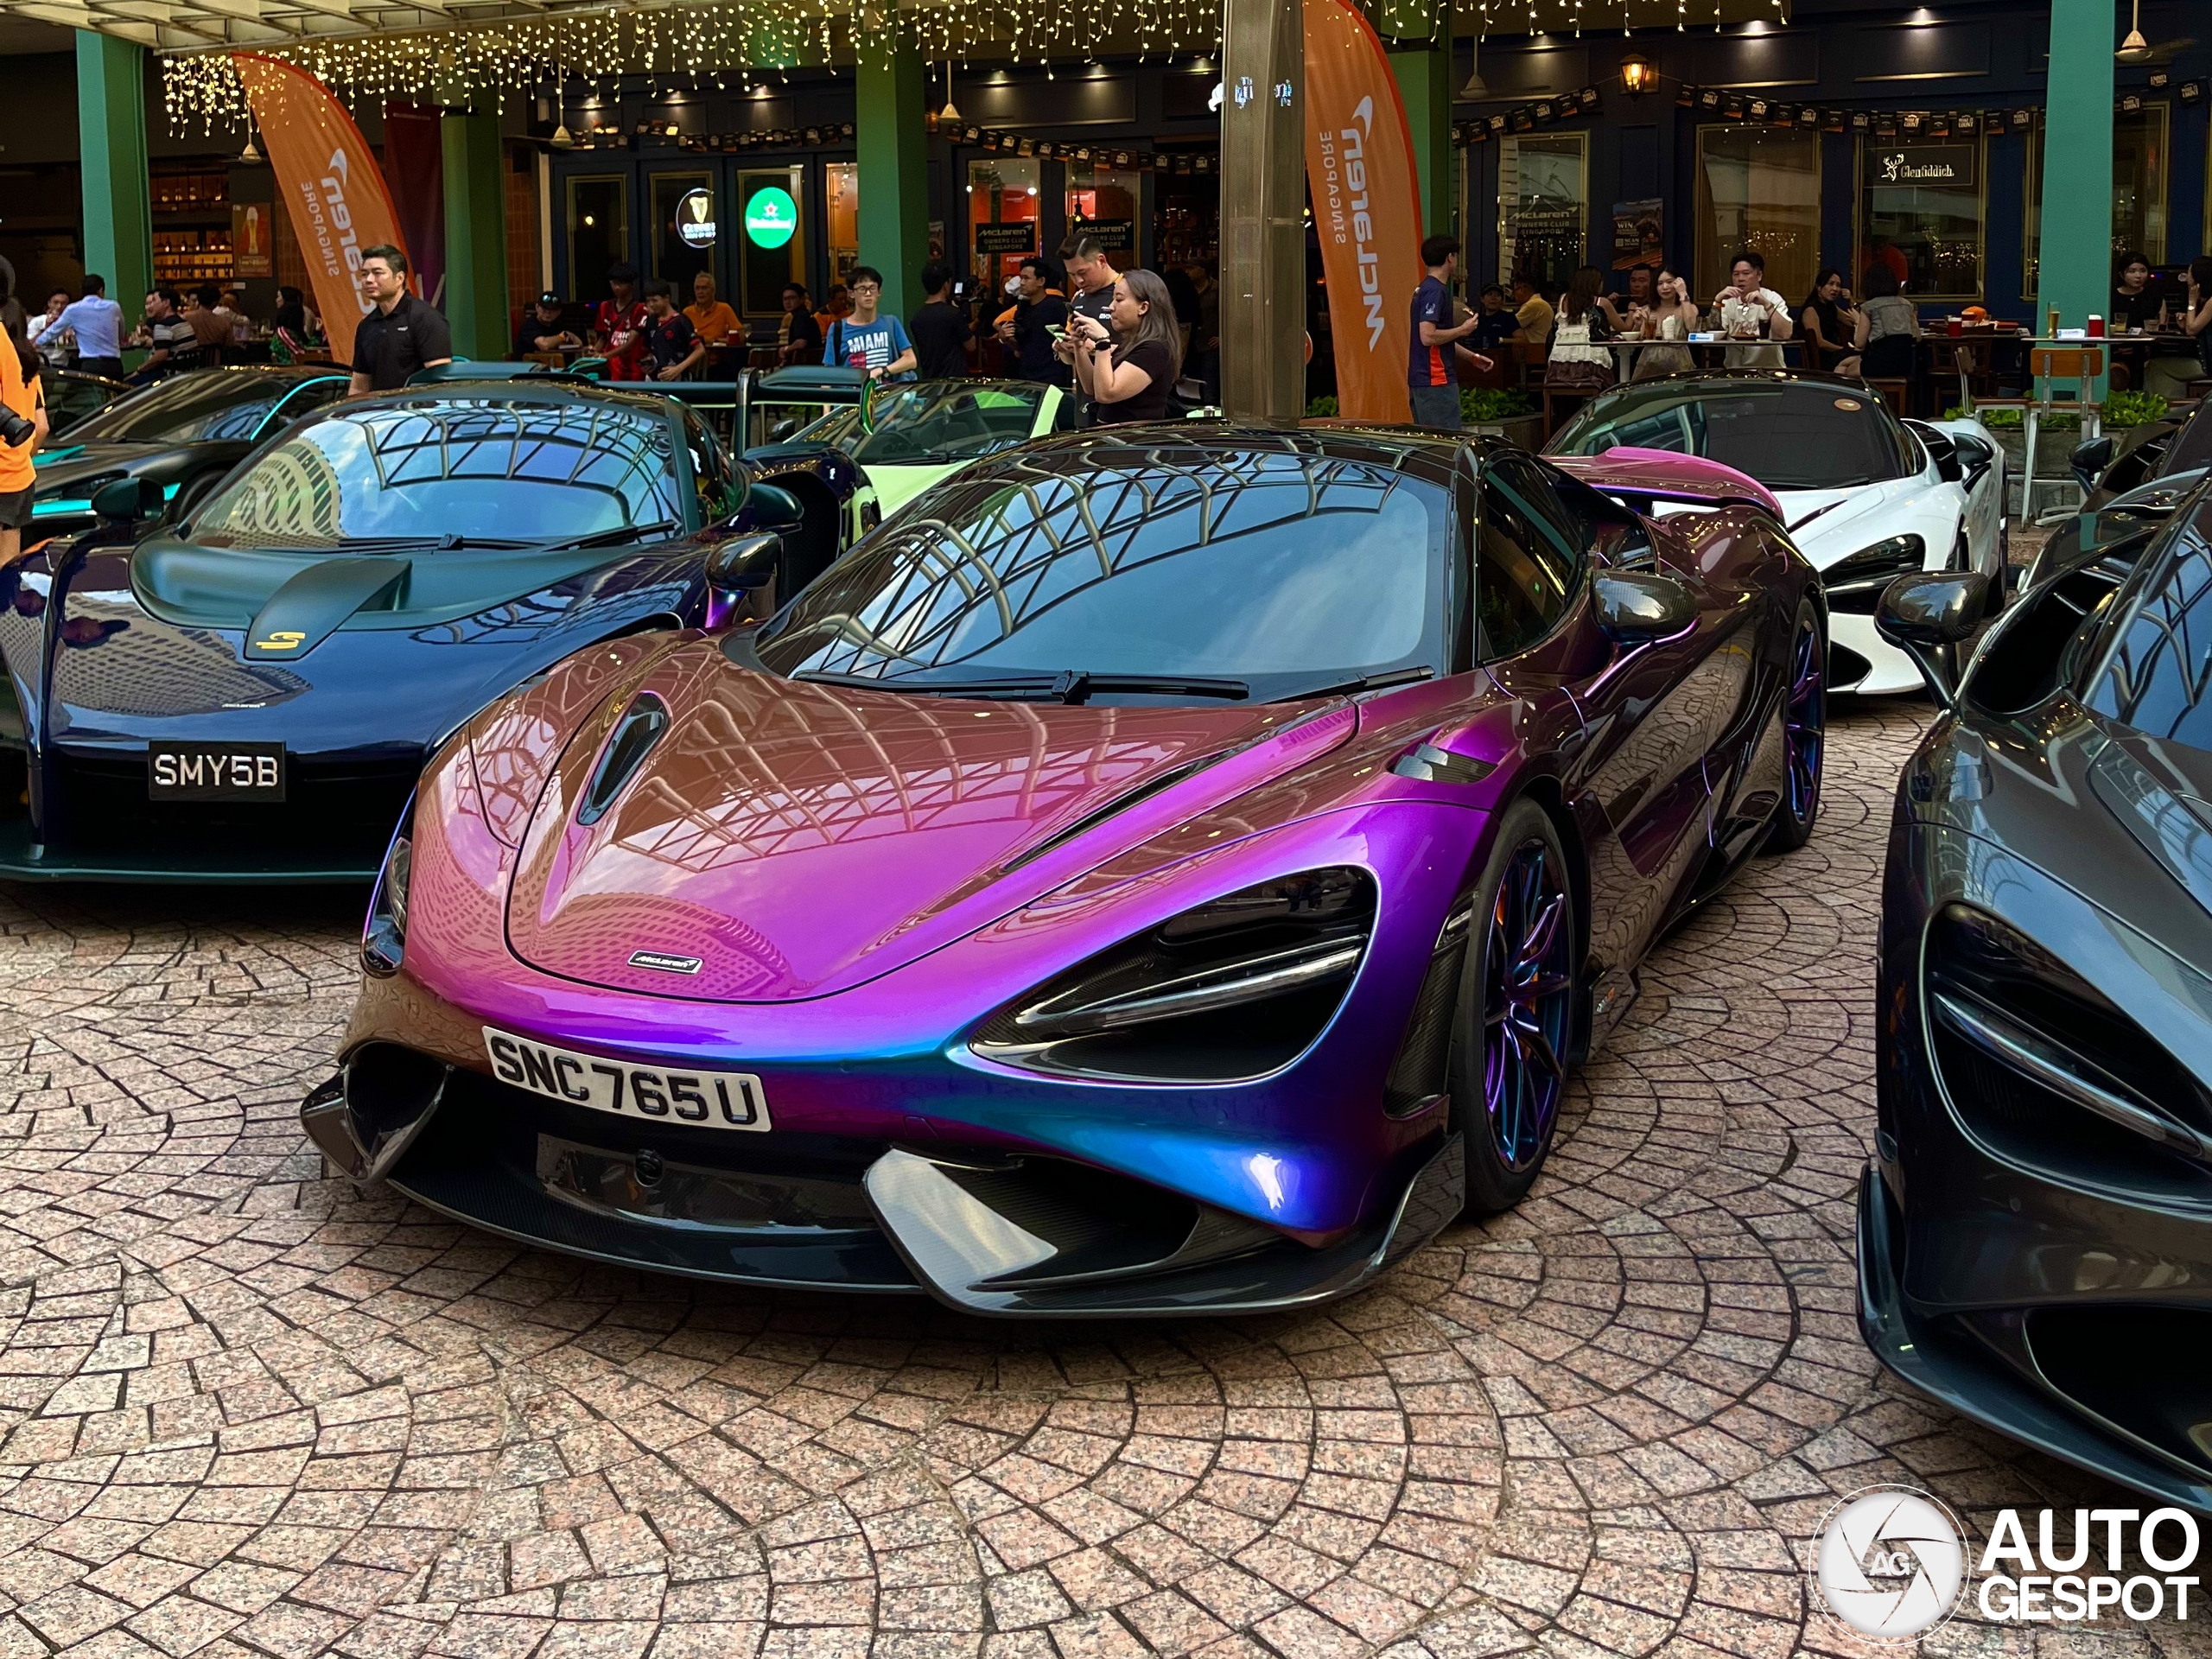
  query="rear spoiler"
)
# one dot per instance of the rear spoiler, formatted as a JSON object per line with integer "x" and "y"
{"x": 1642, "y": 476}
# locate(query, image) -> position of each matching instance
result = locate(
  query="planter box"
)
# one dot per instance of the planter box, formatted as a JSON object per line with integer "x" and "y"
{"x": 2054, "y": 450}
{"x": 1525, "y": 430}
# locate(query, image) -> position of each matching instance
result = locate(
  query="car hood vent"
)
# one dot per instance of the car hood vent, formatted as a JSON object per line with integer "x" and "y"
{"x": 641, "y": 726}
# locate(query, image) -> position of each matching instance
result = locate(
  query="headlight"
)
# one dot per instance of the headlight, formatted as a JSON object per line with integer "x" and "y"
{"x": 384, "y": 935}
{"x": 1235, "y": 987}
{"x": 1854, "y": 584}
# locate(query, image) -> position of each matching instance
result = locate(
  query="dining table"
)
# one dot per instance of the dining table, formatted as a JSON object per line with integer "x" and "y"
{"x": 1708, "y": 350}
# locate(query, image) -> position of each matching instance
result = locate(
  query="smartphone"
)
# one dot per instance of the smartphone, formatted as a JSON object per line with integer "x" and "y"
{"x": 1055, "y": 330}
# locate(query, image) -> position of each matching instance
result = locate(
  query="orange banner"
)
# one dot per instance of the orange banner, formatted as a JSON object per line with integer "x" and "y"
{"x": 328, "y": 178}
{"x": 1359, "y": 172}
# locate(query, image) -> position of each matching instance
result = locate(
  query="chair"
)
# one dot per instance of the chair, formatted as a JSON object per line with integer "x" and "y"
{"x": 2080, "y": 364}
{"x": 1529, "y": 358}
{"x": 1897, "y": 393}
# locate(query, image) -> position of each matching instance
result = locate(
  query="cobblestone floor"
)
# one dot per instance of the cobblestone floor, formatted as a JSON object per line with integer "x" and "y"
{"x": 242, "y": 1410}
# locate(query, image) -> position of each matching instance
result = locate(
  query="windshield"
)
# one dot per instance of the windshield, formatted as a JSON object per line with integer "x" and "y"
{"x": 1280, "y": 569}
{"x": 2157, "y": 670}
{"x": 488, "y": 469}
{"x": 1787, "y": 434}
{"x": 215, "y": 405}
{"x": 935, "y": 423}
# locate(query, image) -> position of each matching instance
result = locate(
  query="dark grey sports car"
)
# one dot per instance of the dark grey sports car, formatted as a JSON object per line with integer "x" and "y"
{"x": 2035, "y": 1233}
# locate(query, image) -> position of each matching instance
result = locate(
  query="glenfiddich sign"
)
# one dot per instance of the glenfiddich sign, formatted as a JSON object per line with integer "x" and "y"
{"x": 1921, "y": 166}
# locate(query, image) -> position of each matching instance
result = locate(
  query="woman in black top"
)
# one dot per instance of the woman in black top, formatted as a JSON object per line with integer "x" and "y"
{"x": 1131, "y": 381}
{"x": 2133, "y": 304}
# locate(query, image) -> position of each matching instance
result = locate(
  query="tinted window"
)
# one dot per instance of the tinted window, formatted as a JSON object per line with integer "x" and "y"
{"x": 934, "y": 421}
{"x": 487, "y": 469}
{"x": 2157, "y": 670}
{"x": 69, "y": 402}
{"x": 1526, "y": 556}
{"x": 1280, "y": 569}
{"x": 219, "y": 403}
{"x": 1787, "y": 434}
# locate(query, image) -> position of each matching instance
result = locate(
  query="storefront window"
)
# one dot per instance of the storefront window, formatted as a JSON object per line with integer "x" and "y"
{"x": 1542, "y": 206}
{"x": 2138, "y": 190}
{"x": 599, "y": 234}
{"x": 841, "y": 189}
{"x": 684, "y": 228}
{"x": 1001, "y": 218}
{"x": 771, "y": 238}
{"x": 1920, "y": 214}
{"x": 1757, "y": 187}
{"x": 1104, "y": 202}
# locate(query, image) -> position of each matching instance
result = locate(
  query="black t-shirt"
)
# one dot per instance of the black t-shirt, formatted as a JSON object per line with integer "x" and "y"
{"x": 389, "y": 345}
{"x": 2132, "y": 310}
{"x": 940, "y": 335}
{"x": 1151, "y": 404}
{"x": 1033, "y": 339}
{"x": 668, "y": 339}
{"x": 531, "y": 330}
{"x": 804, "y": 331}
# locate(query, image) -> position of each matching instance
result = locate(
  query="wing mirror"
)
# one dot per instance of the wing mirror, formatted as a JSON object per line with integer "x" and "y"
{"x": 124, "y": 500}
{"x": 1928, "y": 615}
{"x": 2090, "y": 460}
{"x": 782, "y": 431}
{"x": 1633, "y": 607}
{"x": 745, "y": 563}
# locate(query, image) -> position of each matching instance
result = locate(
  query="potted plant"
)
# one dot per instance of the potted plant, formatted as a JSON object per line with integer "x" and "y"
{"x": 1508, "y": 415}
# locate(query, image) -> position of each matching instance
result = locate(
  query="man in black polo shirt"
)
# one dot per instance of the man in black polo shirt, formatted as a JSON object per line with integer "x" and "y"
{"x": 401, "y": 334}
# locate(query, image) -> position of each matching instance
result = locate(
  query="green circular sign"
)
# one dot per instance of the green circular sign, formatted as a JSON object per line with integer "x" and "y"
{"x": 771, "y": 216}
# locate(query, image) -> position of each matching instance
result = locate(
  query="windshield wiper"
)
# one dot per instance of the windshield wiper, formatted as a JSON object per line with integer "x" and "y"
{"x": 1069, "y": 685}
{"x": 619, "y": 533}
{"x": 1364, "y": 683}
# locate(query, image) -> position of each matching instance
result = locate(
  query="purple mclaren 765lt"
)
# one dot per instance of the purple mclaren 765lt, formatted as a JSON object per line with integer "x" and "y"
{"x": 1159, "y": 870}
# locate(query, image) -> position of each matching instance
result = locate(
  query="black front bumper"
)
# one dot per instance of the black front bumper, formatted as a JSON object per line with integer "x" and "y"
{"x": 983, "y": 1231}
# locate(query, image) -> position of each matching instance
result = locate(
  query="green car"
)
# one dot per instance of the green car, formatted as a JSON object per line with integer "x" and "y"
{"x": 913, "y": 433}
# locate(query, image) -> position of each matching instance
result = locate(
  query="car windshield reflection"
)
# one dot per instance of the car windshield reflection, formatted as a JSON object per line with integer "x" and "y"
{"x": 1787, "y": 434}
{"x": 934, "y": 422}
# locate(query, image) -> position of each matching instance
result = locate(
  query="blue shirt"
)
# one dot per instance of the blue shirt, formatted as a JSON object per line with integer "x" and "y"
{"x": 884, "y": 342}
{"x": 1431, "y": 365}
{"x": 98, "y": 322}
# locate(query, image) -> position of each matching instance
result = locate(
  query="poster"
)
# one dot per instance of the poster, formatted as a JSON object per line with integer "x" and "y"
{"x": 1639, "y": 234}
{"x": 251, "y": 253}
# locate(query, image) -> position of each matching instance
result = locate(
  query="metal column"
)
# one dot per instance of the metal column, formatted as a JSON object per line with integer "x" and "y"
{"x": 1263, "y": 210}
{"x": 891, "y": 142}
{"x": 2075, "y": 250}
{"x": 118, "y": 189}
{"x": 1423, "y": 70}
{"x": 476, "y": 235}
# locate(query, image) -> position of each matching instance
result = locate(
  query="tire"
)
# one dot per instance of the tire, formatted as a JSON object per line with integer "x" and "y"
{"x": 1805, "y": 734}
{"x": 1515, "y": 1023}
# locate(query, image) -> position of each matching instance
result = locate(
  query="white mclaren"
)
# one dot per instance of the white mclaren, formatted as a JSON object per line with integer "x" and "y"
{"x": 1866, "y": 497}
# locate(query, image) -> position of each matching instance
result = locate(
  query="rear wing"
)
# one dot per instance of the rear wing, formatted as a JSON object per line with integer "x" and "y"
{"x": 1638, "y": 478}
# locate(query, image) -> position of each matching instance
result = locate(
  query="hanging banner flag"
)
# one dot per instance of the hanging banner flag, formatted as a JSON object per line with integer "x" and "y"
{"x": 1360, "y": 174}
{"x": 415, "y": 168}
{"x": 328, "y": 179}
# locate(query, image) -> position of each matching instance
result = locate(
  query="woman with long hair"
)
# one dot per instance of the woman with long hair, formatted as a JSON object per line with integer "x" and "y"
{"x": 1577, "y": 362}
{"x": 1888, "y": 324}
{"x": 1674, "y": 317}
{"x": 1128, "y": 374}
{"x": 23, "y": 391}
{"x": 1828, "y": 320}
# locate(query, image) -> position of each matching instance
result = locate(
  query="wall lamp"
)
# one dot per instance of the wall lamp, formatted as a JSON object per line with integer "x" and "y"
{"x": 1638, "y": 74}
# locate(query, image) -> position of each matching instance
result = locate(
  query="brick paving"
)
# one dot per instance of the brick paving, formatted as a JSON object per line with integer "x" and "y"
{"x": 244, "y": 1410}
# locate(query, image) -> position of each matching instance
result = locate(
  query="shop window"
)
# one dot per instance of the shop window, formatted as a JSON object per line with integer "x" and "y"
{"x": 1757, "y": 187}
{"x": 1104, "y": 202}
{"x": 2138, "y": 190}
{"x": 684, "y": 230}
{"x": 771, "y": 238}
{"x": 1921, "y": 210}
{"x": 1186, "y": 211}
{"x": 1544, "y": 192}
{"x": 599, "y": 234}
{"x": 1001, "y": 218}
{"x": 840, "y": 194}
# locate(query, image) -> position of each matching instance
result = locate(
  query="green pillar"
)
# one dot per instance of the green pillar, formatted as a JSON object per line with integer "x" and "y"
{"x": 2074, "y": 265}
{"x": 1424, "y": 70}
{"x": 476, "y": 235}
{"x": 118, "y": 186}
{"x": 892, "y": 146}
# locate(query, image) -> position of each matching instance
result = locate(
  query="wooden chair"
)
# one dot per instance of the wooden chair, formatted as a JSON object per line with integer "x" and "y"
{"x": 1529, "y": 357}
{"x": 2079, "y": 364}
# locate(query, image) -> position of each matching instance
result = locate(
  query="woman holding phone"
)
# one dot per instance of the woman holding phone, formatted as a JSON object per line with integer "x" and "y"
{"x": 1129, "y": 381}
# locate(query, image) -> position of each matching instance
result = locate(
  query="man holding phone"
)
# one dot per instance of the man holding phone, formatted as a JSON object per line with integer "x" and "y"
{"x": 1039, "y": 320}
{"x": 1095, "y": 279}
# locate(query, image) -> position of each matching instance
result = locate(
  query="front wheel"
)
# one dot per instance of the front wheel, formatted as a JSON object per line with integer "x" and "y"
{"x": 1516, "y": 1011}
{"x": 1804, "y": 735}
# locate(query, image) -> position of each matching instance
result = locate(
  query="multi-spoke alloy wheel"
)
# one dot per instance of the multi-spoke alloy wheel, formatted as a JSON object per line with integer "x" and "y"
{"x": 1804, "y": 735}
{"x": 1518, "y": 1009}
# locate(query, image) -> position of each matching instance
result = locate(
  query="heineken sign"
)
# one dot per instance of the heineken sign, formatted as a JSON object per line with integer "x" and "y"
{"x": 771, "y": 216}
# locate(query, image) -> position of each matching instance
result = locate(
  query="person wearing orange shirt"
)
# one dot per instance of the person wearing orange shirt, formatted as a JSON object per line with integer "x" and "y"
{"x": 711, "y": 318}
{"x": 23, "y": 391}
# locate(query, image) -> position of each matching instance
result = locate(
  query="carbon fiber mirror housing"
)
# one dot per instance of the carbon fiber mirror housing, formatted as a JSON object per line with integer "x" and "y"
{"x": 1928, "y": 616}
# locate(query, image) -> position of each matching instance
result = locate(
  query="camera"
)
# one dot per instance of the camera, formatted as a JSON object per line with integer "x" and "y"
{"x": 14, "y": 431}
